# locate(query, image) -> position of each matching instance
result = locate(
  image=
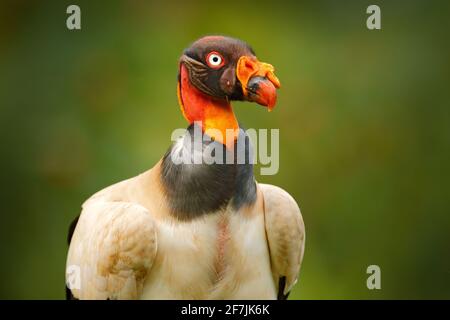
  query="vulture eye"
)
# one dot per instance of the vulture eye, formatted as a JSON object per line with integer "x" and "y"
{"x": 214, "y": 60}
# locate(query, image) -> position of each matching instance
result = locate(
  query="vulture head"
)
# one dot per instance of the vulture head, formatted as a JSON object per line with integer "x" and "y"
{"x": 215, "y": 70}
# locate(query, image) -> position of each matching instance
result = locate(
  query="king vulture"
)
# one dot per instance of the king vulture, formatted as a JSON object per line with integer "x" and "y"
{"x": 194, "y": 230}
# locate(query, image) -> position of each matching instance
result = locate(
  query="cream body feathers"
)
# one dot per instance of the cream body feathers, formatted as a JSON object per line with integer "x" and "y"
{"x": 127, "y": 246}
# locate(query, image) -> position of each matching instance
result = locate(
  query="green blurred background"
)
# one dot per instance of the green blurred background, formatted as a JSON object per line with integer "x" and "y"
{"x": 363, "y": 117}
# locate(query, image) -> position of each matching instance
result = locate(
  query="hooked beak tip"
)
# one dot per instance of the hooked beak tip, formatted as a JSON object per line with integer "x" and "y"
{"x": 259, "y": 83}
{"x": 262, "y": 91}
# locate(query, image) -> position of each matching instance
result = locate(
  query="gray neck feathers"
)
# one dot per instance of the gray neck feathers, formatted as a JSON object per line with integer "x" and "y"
{"x": 196, "y": 183}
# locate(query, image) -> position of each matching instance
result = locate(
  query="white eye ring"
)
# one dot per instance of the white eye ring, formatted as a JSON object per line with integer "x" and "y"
{"x": 214, "y": 60}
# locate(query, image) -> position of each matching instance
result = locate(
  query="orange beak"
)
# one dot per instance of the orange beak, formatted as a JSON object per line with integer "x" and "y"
{"x": 258, "y": 80}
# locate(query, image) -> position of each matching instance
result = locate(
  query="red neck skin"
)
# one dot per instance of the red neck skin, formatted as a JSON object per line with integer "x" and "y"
{"x": 216, "y": 116}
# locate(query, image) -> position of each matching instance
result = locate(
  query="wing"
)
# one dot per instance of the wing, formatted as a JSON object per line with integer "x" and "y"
{"x": 285, "y": 235}
{"x": 111, "y": 251}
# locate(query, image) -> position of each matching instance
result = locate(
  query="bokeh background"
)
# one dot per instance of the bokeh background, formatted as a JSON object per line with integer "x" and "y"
{"x": 363, "y": 117}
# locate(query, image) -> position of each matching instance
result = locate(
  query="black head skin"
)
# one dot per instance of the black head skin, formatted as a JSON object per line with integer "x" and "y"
{"x": 221, "y": 82}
